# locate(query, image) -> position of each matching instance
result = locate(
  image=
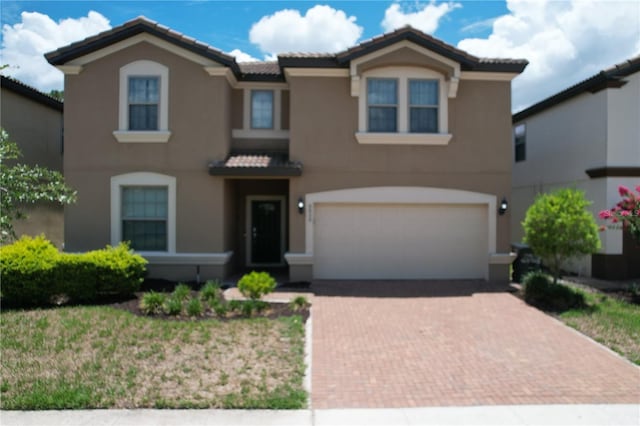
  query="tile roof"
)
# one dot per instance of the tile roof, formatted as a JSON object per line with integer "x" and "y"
{"x": 263, "y": 164}
{"x": 610, "y": 77}
{"x": 134, "y": 27}
{"x": 272, "y": 71}
{"x": 30, "y": 92}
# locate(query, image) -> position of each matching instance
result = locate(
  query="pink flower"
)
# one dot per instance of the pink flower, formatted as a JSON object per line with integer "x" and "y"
{"x": 625, "y": 213}
{"x": 605, "y": 214}
{"x": 638, "y": 189}
{"x": 623, "y": 190}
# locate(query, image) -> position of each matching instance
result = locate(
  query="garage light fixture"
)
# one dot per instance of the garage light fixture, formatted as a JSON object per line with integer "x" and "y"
{"x": 503, "y": 206}
{"x": 300, "y": 205}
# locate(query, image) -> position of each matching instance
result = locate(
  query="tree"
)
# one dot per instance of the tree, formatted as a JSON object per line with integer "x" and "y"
{"x": 558, "y": 227}
{"x": 21, "y": 184}
{"x": 57, "y": 94}
{"x": 626, "y": 213}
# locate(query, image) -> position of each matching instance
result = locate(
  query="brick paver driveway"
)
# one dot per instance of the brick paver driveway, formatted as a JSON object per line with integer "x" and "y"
{"x": 408, "y": 344}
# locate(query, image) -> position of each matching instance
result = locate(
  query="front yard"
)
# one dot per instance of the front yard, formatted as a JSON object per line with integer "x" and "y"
{"x": 610, "y": 321}
{"x": 101, "y": 357}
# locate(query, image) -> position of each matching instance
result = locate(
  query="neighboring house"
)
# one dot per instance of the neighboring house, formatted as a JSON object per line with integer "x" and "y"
{"x": 388, "y": 160}
{"x": 587, "y": 137}
{"x": 34, "y": 122}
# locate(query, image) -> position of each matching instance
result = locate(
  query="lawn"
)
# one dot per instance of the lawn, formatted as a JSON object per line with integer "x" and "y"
{"x": 101, "y": 357}
{"x": 610, "y": 321}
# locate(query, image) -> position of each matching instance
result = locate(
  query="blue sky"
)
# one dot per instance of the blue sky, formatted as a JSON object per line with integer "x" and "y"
{"x": 565, "y": 41}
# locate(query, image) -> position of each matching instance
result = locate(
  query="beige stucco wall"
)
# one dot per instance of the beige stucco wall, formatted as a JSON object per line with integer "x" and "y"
{"x": 478, "y": 158}
{"x": 37, "y": 129}
{"x": 199, "y": 121}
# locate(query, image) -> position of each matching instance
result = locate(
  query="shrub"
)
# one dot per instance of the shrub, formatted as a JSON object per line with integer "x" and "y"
{"x": 75, "y": 278}
{"x": 558, "y": 227}
{"x": 173, "y": 305}
{"x": 235, "y": 305}
{"x": 194, "y": 307}
{"x": 220, "y": 308}
{"x": 210, "y": 292}
{"x": 28, "y": 268}
{"x": 118, "y": 270}
{"x": 299, "y": 303}
{"x": 152, "y": 303}
{"x": 540, "y": 291}
{"x": 256, "y": 284}
{"x": 181, "y": 292}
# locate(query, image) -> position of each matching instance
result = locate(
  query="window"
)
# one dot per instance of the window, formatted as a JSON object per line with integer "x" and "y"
{"x": 519, "y": 141}
{"x": 144, "y": 217}
{"x": 143, "y": 211}
{"x": 423, "y": 106}
{"x": 382, "y": 104}
{"x": 403, "y": 106}
{"x": 143, "y": 103}
{"x": 262, "y": 109}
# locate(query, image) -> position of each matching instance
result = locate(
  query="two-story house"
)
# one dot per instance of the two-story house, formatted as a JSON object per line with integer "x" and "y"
{"x": 33, "y": 121}
{"x": 388, "y": 160}
{"x": 586, "y": 137}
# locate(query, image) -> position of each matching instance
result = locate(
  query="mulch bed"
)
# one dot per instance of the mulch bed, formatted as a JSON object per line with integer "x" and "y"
{"x": 273, "y": 311}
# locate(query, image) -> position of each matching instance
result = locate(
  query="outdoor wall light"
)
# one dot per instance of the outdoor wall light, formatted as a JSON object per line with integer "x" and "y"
{"x": 300, "y": 205}
{"x": 503, "y": 206}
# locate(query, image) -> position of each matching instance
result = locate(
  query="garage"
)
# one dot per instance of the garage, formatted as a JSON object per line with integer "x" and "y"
{"x": 366, "y": 241}
{"x": 384, "y": 240}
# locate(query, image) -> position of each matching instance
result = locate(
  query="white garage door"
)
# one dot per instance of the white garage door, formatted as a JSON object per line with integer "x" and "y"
{"x": 400, "y": 241}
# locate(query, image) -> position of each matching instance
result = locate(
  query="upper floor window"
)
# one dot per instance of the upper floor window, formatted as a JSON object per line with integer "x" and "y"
{"x": 423, "y": 106}
{"x": 519, "y": 142}
{"x": 144, "y": 98}
{"x": 403, "y": 105}
{"x": 262, "y": 109}
{"x": 144, "y": 103}
{"x": 382, "y": 104}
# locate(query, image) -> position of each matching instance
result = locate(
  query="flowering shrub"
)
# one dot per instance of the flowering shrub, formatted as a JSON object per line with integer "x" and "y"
{"x": 626, "y": 213}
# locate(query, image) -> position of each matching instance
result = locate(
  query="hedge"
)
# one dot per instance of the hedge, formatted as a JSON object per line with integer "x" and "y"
{"x": 34, "y": 273}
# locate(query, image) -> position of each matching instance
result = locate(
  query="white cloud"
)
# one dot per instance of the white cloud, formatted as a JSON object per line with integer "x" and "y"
{"x": 321, "y": 29}
{"x": 565, "y": 42}
{"x": 242, "y": 56}
{"x": 25, "y": 43}
{"x": 425, "y": 18}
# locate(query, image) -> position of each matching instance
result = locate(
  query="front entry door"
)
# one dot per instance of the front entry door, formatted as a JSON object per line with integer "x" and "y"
{"x": 266, "y": 227}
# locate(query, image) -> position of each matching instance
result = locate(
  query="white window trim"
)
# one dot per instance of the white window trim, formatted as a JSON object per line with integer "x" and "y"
{"x": 143, "y": 68}
{"x": 403, "y": 137}
{"x": 247, "y": 132}
{"x": 143, "y": 179}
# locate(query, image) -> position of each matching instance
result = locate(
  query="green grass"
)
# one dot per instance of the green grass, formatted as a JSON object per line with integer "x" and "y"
{"x": 100, "y": 357}
{"x": 612, "y": 322}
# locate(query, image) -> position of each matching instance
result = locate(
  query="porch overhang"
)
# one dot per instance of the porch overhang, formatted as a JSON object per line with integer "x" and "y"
{"x": 256, "y": 165}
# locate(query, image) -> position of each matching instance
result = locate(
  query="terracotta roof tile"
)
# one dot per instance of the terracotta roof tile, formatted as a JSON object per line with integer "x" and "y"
{"x": 256, "y": 165}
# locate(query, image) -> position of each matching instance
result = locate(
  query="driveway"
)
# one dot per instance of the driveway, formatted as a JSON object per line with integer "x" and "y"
{"x": 442, "y": 343}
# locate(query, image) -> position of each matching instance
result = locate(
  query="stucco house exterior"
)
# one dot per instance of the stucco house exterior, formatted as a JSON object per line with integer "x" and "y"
{"x": 34, "y": 122}
{"x": 387, "y": 160}
{"x": 587, "y": 137}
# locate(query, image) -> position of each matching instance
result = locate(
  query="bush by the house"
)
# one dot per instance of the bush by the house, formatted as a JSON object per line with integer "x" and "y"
{"x": 152, "y": 303}
{"x": 29, "y": 269}
{"x": 118, "y": 271}
{"x": 254, "y": 285}
{"x": 541, "y": 292}
{"x": 34, "y": 273}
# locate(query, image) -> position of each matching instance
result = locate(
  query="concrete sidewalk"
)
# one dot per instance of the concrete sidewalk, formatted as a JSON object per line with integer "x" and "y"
{"x": 618, "y": 414}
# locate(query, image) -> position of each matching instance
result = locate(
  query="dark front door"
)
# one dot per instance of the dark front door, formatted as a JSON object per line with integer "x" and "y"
{"x": 266, "y": 231}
